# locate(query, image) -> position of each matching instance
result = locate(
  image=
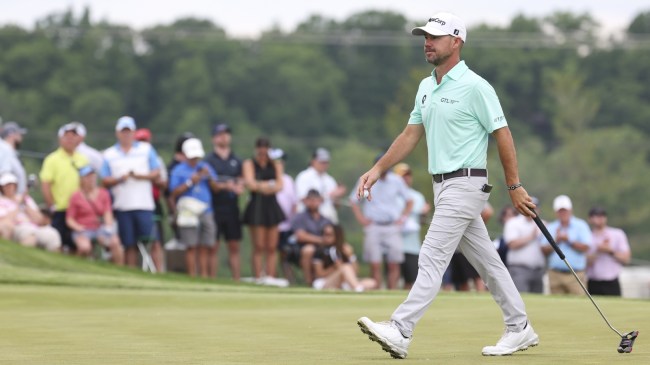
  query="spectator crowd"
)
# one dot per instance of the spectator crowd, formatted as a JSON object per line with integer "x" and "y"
{"x": 113, "y": 203}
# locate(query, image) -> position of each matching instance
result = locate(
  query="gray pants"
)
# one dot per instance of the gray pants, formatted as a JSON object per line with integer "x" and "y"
{"x": 457, "y": 223}
{"x": 528, "y": 280}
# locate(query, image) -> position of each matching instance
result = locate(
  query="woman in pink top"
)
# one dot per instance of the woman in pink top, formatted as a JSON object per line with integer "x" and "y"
{"x": 21, "y": 218}
{"x": 90, "y": 217}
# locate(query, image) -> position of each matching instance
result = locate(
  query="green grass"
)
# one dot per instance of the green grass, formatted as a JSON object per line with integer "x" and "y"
{"x": 61, "y": 310}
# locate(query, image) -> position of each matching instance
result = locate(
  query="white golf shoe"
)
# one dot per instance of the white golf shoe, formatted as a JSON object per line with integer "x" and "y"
{"x": 387, "y": 335}
{"x": 512, "y": 342}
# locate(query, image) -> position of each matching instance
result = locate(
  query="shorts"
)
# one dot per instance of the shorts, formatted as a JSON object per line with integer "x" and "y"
{"x": 102, "y": 234}
{"x": 204, "y": 234}
{"x": 461, "y": 269}
{"x": 382, "y": 240}
{"x": 410, "y": 268}
{"x": 228, "y": 226}
{"x": 134, "y": 226}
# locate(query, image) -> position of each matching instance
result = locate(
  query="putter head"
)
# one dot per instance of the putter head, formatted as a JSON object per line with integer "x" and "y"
{"x": 627, "y": 341}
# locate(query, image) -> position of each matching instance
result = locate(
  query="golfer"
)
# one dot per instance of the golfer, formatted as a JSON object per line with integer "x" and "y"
{"x": 455, "y": 109}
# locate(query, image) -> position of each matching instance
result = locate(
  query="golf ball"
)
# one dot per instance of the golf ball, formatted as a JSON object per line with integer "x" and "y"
{"x": 365, "y": 193}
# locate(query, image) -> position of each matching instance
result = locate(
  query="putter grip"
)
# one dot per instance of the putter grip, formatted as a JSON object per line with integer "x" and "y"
{"x": 548, "y": 236}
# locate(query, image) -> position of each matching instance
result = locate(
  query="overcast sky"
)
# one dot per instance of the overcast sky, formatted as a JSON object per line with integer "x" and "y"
{"x": 247, "y": 18}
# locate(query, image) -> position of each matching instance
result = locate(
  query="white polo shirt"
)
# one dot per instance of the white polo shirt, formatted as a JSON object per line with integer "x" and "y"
{"x": 530, "y": 255}
{"x": 131, "y": 194}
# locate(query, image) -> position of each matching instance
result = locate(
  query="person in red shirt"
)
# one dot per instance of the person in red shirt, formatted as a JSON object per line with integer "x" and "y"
{"x": 90, "y": 217}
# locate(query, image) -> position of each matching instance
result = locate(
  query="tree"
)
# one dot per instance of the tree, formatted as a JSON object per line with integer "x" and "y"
{"x": 640, "y": 25}
{"x": 571, "y": 106}
{"x": 521, "y": 24}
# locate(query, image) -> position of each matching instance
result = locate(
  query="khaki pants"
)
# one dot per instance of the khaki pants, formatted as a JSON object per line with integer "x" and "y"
{"x": 42, "y": 236}
{"x": 457, "y": 223}
{"x": 565, "y": 283}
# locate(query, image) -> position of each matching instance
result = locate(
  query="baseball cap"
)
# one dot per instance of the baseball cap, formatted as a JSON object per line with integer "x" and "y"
{"x": 11, "y": 128}
{"x": 402, "y": 169}
{"x": 277, "y": 154}
{"x": 321, "y": 155}
{"x": 86, "y": 170}
{"x": 562, "y": 202}
{"x": 220, "y": 128}
{"x": 143, "y": 134}
{"x": 75, "y": 127}
{"x": 597, "y": 211}
{"x": 193, "y": 148}
{"x": 81, "y": 129}
{"x": 443, "y": 24}
{"x": 125, "y": 122}
{"x": 8, "y": 178}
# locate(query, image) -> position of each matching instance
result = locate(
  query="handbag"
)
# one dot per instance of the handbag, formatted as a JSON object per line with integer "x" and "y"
{"x": 189, "y": 209}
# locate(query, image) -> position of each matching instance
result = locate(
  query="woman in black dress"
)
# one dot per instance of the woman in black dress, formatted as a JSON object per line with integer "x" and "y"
{"x": 263, "y": 178}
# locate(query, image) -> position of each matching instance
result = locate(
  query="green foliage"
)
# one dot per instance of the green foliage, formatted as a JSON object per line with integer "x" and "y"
{"x": 571, "y": 107}
{"x": 640, "y": 24}
{"x": 347, "y": 85}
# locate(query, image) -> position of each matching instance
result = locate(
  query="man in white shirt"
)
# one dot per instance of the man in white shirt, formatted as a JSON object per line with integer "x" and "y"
{"x": 129, "y": 169}
{"x": 316, "y": 177}
{"x": 525, "y": 259}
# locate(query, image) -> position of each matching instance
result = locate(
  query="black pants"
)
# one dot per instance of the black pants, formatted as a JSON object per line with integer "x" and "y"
{"x": 604, "y": 287}
{"x": 58, "y": 222}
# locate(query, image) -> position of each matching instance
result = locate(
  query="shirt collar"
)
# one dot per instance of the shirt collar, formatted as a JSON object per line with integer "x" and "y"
{"x": 455, "y": 73}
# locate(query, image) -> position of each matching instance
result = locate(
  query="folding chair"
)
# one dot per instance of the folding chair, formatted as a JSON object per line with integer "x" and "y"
{"x": 147, "y": 261}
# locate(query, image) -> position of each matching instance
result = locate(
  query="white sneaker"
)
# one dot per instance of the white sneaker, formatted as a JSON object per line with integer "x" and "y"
{"x": 387, "y": 335}
{"x": 512, "y": 342}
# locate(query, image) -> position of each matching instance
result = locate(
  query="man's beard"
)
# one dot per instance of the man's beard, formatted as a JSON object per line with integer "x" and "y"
{"x": 439, "y": 60}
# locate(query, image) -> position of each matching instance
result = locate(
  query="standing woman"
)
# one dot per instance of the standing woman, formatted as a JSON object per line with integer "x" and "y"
{"x": 263, "y": 178}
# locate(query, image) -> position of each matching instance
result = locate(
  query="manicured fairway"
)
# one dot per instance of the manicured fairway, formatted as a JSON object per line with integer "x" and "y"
{"x": 81, "y": 313}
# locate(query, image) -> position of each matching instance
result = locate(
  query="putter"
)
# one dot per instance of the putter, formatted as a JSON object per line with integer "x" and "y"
{"x": 627, "y": 339}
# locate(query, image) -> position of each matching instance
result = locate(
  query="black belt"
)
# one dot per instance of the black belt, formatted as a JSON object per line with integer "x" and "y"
{"x": 460, "y": 173}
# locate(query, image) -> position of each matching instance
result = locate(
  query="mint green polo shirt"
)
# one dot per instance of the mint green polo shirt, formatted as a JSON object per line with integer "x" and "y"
{"x": 458, "y": 115}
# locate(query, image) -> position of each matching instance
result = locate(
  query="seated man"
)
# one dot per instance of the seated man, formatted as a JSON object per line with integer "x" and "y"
{"x": 308, "y": 227}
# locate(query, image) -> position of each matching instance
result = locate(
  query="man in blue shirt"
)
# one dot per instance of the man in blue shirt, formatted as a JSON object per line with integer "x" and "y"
{"x": 455, "y": 110}
{"x": 573, "y": 235}
{"x": 191, "y": 183}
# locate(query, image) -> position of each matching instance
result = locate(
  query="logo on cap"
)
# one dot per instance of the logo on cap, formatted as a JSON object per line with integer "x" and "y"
{"x": 437, "y": 20}
{"x": 456, "y": 32}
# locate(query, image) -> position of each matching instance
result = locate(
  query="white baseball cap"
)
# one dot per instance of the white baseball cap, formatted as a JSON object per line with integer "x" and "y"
{"x": 8, "y": 178}
{"x": 443, "y": 24}
{"x": 562, "y": 202}
{"x": 125, "y": 122}
{"x": 193, "y": 148}
{"x": 75, "y": 127}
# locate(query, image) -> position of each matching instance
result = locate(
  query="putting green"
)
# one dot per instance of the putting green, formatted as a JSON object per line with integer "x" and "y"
{"x": 59, "y": 310}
